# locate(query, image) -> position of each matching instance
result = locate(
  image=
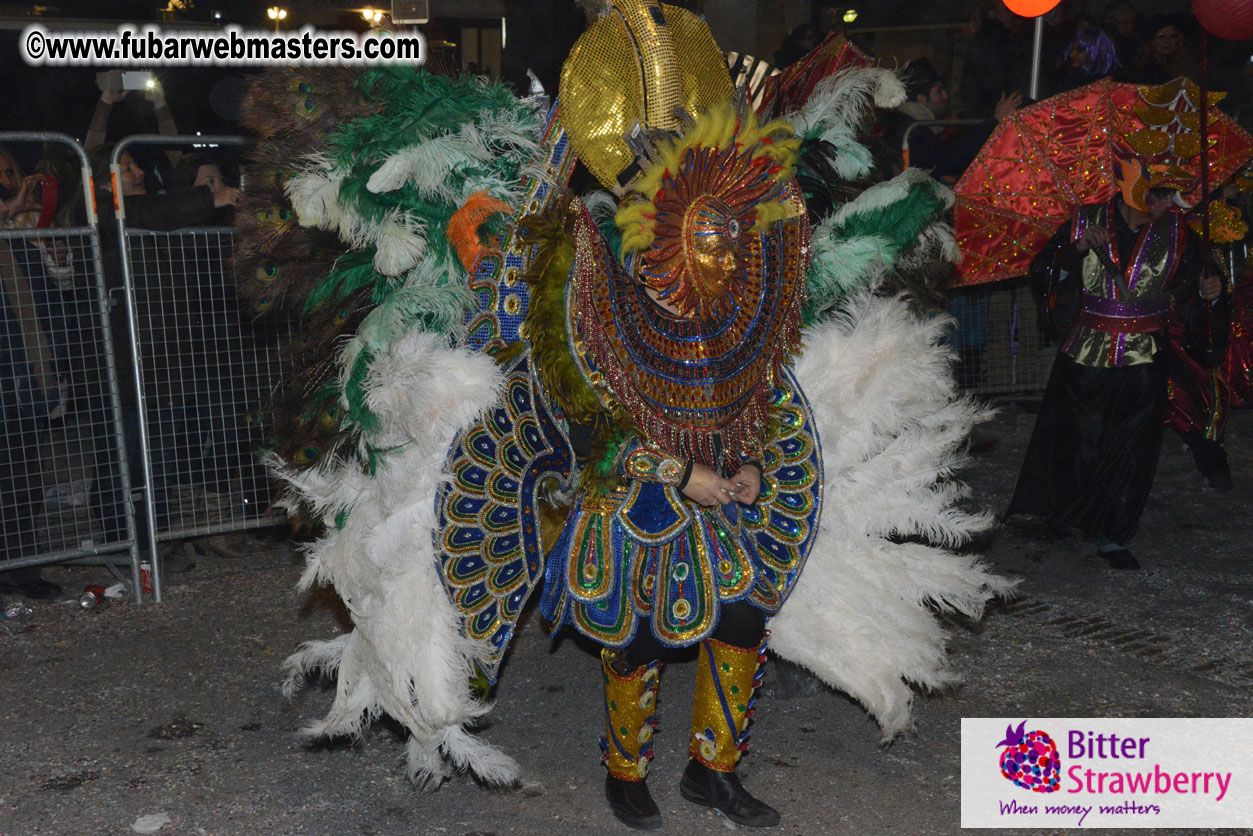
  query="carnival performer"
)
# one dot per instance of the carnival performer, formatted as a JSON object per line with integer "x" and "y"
{"x": 1202, "y": 393}
{"x": 504, "y": 386}
{"x": 1124, "y": 266}
{"x": 684, "y": 348}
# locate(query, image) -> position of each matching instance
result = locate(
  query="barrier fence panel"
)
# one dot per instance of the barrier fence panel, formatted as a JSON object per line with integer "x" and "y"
{"x": 64, "y": 492}
{"x": 1002, "y": 349}
{"x": 203, "y": 372}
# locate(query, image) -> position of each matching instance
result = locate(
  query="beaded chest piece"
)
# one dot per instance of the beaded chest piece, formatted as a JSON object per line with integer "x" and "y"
{"x": 700, "y": 388}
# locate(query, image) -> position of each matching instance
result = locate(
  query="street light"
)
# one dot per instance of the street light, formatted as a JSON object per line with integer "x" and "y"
{"x": 372, "y": 15}
{"x": 850, "y": 15}
{"x": 276, "y": 14}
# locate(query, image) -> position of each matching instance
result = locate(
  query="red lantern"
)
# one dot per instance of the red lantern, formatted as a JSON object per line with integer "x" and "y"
{"x": 1231, "y": 20}
{"x": 1033, "y": 8}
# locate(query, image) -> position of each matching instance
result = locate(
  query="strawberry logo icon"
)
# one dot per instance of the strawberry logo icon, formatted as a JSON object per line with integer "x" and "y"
{"x": 1030, "y": 759}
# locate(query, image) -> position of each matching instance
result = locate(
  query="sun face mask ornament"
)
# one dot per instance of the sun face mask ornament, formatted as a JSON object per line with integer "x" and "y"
{"x": 701, "y": 199}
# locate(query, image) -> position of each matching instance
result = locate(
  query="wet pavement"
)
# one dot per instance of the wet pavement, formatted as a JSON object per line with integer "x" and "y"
{"x": 170, "y": 718}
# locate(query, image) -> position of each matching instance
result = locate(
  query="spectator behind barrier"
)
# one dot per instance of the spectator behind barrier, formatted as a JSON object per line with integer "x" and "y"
{"x": 31, "y": 390}
{"x": 178, "y": 408}
{"x": 158, "y": 180}
{"x": 945, "y": 152}
{"x": 798, "y": 43}
{"x": 176, "y": 209}
{"x": 202, "y": 170}
{"x": 1122, "y": 24}
{"x": 1088, "y": 57}
{"x": 18, "y": 193}
{"x": 1165, "y": 56}
{"x": 998, "y": 62}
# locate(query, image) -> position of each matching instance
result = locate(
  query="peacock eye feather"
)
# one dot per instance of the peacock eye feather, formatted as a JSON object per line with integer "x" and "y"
{"x": 306, "y": 456}
{"x": 267, "y": 271}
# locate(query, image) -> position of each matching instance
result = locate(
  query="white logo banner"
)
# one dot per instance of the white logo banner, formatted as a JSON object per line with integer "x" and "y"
{"x": 1060, "y": 772}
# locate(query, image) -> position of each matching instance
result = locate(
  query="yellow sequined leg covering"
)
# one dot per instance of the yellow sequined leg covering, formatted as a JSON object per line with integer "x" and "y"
{"x": 726, "y": 678}
{"x": 630, "y": 717}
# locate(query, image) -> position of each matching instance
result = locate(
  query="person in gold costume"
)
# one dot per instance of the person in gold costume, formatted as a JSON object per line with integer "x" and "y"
{"x": 597, "y": 394}
{"x": 681, "y": 348}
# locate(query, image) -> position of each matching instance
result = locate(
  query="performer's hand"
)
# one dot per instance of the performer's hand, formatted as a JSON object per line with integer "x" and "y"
{"x": 706, "y": 487}
{"x": 1093, "y": 236}
{"x": 748, "y": 480}
{"x": 1007, "y": 105}
{"x": 1211, "y": 286}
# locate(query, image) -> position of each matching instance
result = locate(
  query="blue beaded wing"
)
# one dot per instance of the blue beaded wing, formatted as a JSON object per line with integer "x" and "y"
{"x": 783, "y": 522}
{"x": 488, "y": 530}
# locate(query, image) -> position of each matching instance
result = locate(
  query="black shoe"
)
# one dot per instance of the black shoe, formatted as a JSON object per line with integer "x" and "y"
{"x": 724, "y": 792}
{"x": 1119, "y": 558}
{"x": 632, "y": 803}
{"x": 29, "y": 583}
{"x": 1220, "y": 481}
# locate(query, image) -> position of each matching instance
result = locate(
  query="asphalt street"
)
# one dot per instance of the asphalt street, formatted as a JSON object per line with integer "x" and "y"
{"x": 170, "y": 718}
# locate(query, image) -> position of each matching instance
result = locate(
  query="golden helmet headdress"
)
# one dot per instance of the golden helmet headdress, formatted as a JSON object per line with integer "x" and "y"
{"x": 636, "y": 65}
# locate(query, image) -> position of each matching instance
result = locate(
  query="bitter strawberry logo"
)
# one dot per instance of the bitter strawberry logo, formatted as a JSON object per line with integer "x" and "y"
{"x": 1030, "y": 759}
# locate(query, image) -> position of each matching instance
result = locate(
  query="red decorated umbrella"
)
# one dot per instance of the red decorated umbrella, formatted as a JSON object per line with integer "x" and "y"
{"x": 1044, "y": 160}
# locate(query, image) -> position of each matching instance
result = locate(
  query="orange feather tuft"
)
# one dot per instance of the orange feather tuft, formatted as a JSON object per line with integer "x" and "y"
{"x": 463, "y": 229}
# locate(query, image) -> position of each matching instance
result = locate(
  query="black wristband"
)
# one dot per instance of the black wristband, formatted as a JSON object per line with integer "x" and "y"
{"x": 687, "y": 474}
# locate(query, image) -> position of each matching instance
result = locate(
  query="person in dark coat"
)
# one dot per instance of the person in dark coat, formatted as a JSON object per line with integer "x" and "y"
{"x": 1165, "y": 55}
{"x": 998, "y": 61}
{"x": 946, "y": 152}
{"x": 1118, "y": 273}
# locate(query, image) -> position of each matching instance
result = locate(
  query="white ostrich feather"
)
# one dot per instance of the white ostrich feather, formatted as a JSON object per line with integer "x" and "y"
{"x": 891, "y": 428}
{"x": 889, "y": 90}
{"x": 435, "y": 165}
{"x": 314, "y": 193}
{"x": 400, "y": 242}
{"x": 891, "y": 191}
{"x": 405, "y": 656}
{"x": 432, "y": 165}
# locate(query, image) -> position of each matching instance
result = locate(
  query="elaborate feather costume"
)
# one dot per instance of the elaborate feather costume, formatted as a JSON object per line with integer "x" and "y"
{"x": 473, "y": 418}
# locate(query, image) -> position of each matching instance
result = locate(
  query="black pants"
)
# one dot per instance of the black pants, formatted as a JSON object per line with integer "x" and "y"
{"x": 1093, "y": 453}
{"x": 740, "y": 625}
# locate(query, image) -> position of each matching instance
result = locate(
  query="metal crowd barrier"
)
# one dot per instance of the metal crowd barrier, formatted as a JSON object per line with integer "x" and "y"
{"x": 944, "y": 124}
{"x": 64, "y": 491}
{"x": 1002, "y": 351}
{"x": 202, "y": 372}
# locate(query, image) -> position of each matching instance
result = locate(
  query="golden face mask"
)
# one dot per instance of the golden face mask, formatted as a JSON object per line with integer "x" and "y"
{"x": 711, "y": 255}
